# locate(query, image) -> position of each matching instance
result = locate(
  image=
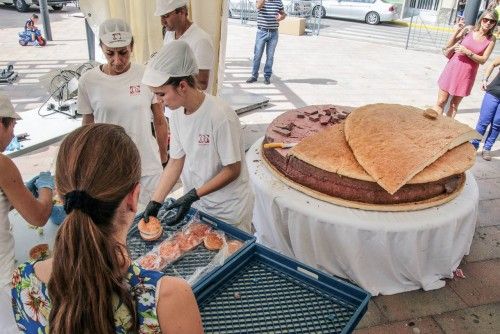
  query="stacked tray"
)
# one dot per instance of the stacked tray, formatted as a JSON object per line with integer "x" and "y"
{"x": 196, "y": 264}
{"x": 261, "y": 291}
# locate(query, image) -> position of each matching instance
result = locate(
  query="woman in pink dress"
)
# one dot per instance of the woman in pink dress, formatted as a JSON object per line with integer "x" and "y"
{"x": 471, "y": 46}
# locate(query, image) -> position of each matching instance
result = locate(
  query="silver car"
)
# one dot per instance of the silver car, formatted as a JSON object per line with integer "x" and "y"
{"x": 370, "y": 11}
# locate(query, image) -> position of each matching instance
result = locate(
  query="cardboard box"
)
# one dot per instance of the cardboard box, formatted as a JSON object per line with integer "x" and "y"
{"x": 293, "y": 26}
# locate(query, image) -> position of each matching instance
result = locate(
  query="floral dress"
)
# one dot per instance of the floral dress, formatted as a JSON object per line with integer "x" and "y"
{"x": 31, "y": 303}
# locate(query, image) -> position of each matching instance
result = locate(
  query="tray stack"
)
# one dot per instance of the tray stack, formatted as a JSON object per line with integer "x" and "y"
{"x": 261, "y": 291}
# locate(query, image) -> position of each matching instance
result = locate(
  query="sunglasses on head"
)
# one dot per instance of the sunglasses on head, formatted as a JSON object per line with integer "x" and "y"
{"x": 485, "y": 19}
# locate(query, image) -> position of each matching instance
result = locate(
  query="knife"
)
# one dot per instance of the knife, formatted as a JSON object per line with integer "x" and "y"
{"x": 279, "y": 145}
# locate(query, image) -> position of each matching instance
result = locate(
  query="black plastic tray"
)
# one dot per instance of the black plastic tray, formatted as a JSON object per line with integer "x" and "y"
{"x": 261, "y": 291}
{"x": 192, "y": 260}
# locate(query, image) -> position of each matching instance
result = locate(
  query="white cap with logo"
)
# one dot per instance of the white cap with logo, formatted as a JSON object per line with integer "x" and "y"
{"x": 176, "y": 59}
{"x": 115, "y": 33}
{"x": 166, "y": 6}
{"x": 6, "y": 108}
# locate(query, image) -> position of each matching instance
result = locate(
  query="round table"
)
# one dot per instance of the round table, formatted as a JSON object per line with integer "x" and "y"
{"x": 383, "y": 252}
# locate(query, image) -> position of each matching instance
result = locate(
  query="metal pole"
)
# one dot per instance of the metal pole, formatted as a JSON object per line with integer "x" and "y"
{"x": 90, "y": 40}
{"x": 44, "y": 13}
{"x": 409, "y": 32}
{"x": 471, "y": 10}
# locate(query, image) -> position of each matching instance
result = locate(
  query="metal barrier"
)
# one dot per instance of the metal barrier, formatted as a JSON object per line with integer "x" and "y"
{"x": 427, "y": 36}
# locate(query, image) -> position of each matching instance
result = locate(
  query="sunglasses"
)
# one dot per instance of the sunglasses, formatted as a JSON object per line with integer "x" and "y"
{"x": 487, "y": 20}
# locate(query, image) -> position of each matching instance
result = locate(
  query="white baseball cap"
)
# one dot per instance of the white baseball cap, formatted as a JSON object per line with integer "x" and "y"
{"x": 6, "y": 108}
{"x": 115, "y": 33}
{"x": 176, "y": 59}
{"x": 166, "y": 6}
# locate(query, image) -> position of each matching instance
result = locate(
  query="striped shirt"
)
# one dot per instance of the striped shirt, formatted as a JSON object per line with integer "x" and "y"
{"x": 266, "y": 17}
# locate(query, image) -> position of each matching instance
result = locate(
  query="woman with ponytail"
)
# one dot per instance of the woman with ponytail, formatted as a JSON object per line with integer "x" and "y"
{"x": 90, "y": 285}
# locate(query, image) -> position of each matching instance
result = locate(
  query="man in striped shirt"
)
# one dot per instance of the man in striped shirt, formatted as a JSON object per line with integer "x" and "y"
{"x": 270, "y": 12}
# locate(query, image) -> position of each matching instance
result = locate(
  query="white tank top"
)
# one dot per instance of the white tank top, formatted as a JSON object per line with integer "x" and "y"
{"x": 6, "y": 242}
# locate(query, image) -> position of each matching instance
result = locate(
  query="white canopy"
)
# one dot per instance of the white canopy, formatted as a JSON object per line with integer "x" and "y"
{"x": 146, "y": 28}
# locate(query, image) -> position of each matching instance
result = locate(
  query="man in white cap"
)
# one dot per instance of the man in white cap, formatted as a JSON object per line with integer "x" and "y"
{"x": 206, "y": 147}
{"x": 13, "y": 194}
{"x": 174, "y": 17}
{"x": 112, "y": 93}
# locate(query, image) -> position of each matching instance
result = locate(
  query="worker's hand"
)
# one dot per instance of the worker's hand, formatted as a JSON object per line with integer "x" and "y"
{"x": 151, "y": 210}
{"x": 45, "y": 180}
{"x": 32, "y": 187}
{"x": 184, "y": 204}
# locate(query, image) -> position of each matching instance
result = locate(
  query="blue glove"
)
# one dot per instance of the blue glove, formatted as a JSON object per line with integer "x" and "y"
{"x": 58, "y": 214}
{"x": 45, "y": 180}
{"x": 32, "y": 187}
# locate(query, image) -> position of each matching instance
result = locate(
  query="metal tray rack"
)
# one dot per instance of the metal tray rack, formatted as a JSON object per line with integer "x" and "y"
{"x": 192, "y": 260}
{"x": 261, "y": 291}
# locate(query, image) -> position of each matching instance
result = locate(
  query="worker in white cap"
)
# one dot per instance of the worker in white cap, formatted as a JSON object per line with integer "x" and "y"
{"x": 113, "y": 93}
{"x": 206, "y": 147}
{"x": 174, "y": 17}
{"x": 14, "y": 194}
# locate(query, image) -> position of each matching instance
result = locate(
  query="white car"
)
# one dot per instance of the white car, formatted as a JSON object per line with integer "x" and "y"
{"x": 370, "y": 11}
{"x": 24, "y": 5}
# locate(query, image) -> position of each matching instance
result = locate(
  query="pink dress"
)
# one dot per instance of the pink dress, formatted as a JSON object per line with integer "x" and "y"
{"x": 460, "y": 72}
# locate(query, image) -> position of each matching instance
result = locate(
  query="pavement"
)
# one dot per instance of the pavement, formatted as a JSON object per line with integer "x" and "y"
{"x": 318, "y": 70}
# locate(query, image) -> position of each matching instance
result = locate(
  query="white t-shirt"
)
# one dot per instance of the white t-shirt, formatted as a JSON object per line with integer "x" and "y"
{"x": 211, "y": 138}
{"x": 122, "y": 100}
{"x": 201, "y": 44}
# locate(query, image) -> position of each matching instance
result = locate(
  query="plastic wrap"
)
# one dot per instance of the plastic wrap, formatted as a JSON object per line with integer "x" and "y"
{"x": 190, "y": 251}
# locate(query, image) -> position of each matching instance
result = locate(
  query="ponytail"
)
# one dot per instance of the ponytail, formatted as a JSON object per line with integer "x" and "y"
{"x": 97, "y": 166}
{"x": 85, "y": 277}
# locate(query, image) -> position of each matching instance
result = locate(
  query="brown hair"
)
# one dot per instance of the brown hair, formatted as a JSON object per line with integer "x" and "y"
{"x": 6, "y": 121}
{"x": 494, "y": 14}
{"x": 175, "y": 81}
{"x": 102, "y": 161}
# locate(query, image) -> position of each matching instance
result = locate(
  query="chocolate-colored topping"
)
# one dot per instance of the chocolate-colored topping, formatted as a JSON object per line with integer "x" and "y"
{"x": 311, "y": 112}
{"x": 324, "y": 120}
{"x": 314, "y": 118}
{"x": 283, "y": 132}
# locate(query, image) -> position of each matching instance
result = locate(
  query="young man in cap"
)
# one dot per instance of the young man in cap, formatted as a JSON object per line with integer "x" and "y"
{"x": 112, "y": 93}
{"x": 270, "y": 12}
{"x": 207, "y": 149}
{"x": 174, "y": 17}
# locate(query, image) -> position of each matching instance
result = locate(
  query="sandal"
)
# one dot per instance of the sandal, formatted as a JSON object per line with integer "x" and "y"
{"x": 486, "y": 155}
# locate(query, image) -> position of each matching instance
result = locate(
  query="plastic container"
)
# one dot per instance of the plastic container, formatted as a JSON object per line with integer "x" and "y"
{"x": 261, "y": 291}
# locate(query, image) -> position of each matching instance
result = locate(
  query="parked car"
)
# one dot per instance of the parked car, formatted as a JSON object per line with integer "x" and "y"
{"x": 24, "y": 5}
{"x": 370, "y": 11}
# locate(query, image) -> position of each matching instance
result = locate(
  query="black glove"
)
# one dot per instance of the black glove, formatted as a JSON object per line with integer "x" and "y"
{"x": 183, "y": 203}
{"x": 151, "y": 210}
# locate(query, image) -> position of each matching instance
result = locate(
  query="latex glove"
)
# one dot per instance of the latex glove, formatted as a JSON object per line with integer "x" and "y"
{"x": 57, "y": 215}
{"x": 32, "y": 187}
{"x": 184, "y": 204}
{"x": 45, "y": 180}
{"x": 151, "y": 210}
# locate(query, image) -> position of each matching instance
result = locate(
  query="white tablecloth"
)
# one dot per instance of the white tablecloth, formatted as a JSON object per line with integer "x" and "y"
{"x": 383, "y": 252}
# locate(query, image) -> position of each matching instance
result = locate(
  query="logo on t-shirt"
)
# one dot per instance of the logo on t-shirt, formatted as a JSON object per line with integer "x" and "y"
{"x": 204, "y": 139}
{"x": 135, "y": 90}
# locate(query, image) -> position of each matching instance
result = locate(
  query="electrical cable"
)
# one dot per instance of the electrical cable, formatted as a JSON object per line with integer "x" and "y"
{"x": 64, "y": 76}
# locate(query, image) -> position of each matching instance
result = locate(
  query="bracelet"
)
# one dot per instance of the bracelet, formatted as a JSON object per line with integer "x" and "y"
{"x": 471, "y": 54}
